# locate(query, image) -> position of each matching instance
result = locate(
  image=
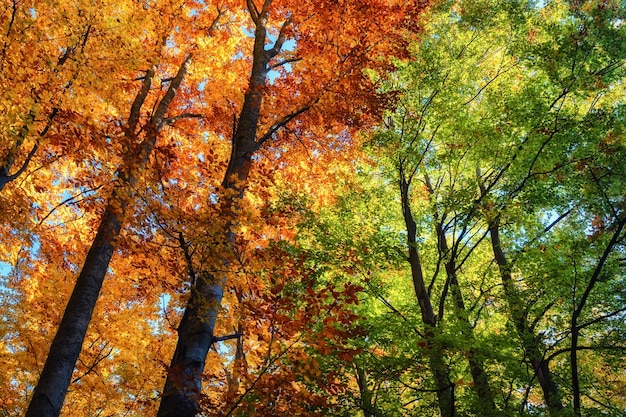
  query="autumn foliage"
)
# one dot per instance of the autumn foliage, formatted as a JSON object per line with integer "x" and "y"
{"x": 311, "y": 208}
{"x": 126, "y": 113}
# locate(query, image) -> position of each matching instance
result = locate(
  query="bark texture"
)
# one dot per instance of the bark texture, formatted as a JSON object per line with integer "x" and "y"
{"x": 50, "y": 391}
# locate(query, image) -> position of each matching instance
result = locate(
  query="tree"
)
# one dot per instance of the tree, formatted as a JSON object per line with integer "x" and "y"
{"x": 137, "y": 139}
{"x": 305, "y": 208}
{"x": 66, "y": 346}
{"x": 479, "y": 111}
{"x": 334, "y": 71}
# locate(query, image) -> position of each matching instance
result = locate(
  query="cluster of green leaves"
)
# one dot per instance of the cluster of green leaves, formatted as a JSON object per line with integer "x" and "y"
{"x": 510, "y": 118}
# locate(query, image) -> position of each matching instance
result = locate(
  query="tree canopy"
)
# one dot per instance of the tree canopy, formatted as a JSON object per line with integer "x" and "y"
{"x": 312, "y": 208}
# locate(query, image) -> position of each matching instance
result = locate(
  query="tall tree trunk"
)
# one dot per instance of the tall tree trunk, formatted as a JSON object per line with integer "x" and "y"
{"x": 437, "y": 363}
{"x": 474, "y": 357}
{"x": 55, "y": 377}
{"x": 479, "y": 375}
{"x": 183, "y": 384}
{"x": 618, "y": 236}
{"x": 477, "y": 370}
{"x": 364, "y": 391}
{"x": 54, "y": 381}
{"x": 532, "y": 345}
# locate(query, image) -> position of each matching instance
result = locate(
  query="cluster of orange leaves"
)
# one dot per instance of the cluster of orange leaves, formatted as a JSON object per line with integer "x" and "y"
{"x": 69, "y": 72}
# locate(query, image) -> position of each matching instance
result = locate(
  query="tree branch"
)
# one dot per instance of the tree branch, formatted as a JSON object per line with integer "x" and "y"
{"x": 158, "y": 119}
{"x": 95, "y": 363}
{"x": 66, "y": 201}
{"x": 619, "y": 226}
{"x": 283, "y": 62}
{"x": 24, "y": 165}
{"x": 569, "y": 349}
{"x": 282, "y": 123}
{"x": 598, "y": 319}
{"x": 188, "y": 259}
{"x": 254, "y": 12}
{"x": 135, "y": 109}
{"x": 543, "y": 312}
{"x": 227, "y": 337}
{"x": 216, "y": 21}
{"x": 278, "y": 45}
{"x": 174, "y": 119}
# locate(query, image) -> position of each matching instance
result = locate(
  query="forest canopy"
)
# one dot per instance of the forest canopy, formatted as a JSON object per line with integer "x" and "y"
{"x": 312, "y": 208}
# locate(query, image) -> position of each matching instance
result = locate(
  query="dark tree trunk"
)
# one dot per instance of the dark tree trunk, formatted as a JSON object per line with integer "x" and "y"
{"x": 479, "y": 375}
{"x": 532, "y": 346}
{"x": 50, "y": 391}
{"x": 617, "y": 237}
{"x": 366, "y": 394}
{"x": 183, "y": 385}
{"x": 437, "y": 363}
{"x": 477, "y": 369}
{"x": 54, "y": 381}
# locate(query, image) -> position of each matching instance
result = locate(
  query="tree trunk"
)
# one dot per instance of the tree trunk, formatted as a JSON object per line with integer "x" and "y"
{"x": 530, "y": 342}
{"x": 575, "y": 330}
{"x": 54, "y": 381}
{"x": 366, "y": 394}
{"x": 183, "y": 384}
{"x": 50, "y": 391}
{"x": 437, "y": 363}
{"x": 479, "y": 376}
